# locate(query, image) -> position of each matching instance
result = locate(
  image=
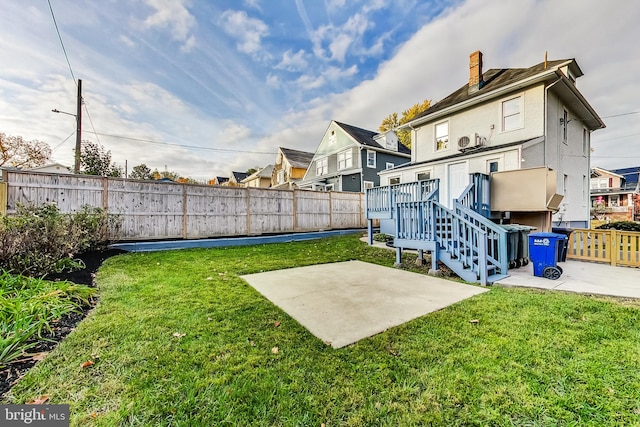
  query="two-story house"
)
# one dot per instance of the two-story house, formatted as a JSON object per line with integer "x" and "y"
{"x": 290, "y": 167}
{"x": 510, "y": 119}
{"x": 260, "y": 178}
{"x": 615, "y": 194}
{"x": 349, "y": 158}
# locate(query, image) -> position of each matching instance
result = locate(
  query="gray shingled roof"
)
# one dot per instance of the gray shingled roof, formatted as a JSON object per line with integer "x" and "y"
{"x": 365, "y": 137}
{"x": 492, "y": 79}
{"x": 297, "y": 159}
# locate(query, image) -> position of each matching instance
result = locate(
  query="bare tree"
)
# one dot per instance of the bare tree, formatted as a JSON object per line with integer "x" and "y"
{"x": 16, "y": 152}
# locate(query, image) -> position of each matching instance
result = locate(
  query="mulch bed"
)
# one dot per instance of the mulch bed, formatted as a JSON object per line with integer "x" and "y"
{"x": 13, "y": 371}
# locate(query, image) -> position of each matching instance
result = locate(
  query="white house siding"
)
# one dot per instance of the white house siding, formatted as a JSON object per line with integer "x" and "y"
{"x": 571, "y": 160}
{"x": 507, "y": 158}
{"x": 479, "y": 120}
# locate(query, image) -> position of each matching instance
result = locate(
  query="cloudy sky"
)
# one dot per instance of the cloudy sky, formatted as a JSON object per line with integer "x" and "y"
{"x": 203, "y": 87}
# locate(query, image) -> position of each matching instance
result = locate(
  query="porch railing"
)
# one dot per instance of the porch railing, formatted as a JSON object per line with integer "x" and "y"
{"x": 381, "y": 200}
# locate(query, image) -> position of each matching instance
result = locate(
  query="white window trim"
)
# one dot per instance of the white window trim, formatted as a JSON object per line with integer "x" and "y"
{"x": 368, "y": 184}
{"x": 521, "y": 113}
{"x": 394, "y": 177}
{"x": 347, "y": 159}
{"x": 389, "y": 165}
{"x": 373, "y": 166}
{"x": 435, "y": 136}
{"x": 325, "y": 161}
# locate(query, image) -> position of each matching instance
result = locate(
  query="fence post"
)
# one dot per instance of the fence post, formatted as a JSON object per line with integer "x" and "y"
{"x": 248, "y": 198}
{"x": 615, "y": 247}
{"x": 185, "y": 233}
{"x": 295, "y": 209}
{"x": 4, "y": 188}
{"x": 331, "y": 193}
{"x": 105, "y": 194}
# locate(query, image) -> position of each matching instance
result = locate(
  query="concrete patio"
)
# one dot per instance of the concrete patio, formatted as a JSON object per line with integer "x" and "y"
{"x": 345, "y": 302}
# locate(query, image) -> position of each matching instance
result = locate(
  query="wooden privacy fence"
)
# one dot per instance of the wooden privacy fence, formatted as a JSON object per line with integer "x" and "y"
{"x": 611, "y": 246}
{"x": 159, "y": 210}
{"x": 3, "y": 198}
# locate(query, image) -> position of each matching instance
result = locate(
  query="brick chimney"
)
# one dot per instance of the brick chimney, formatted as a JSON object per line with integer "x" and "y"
{"x": 475, "y": 71}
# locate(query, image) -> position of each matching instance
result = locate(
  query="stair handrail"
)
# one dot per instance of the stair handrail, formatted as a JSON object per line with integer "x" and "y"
{"x": 383, "y": 198}
{"x": 496, "y": 234}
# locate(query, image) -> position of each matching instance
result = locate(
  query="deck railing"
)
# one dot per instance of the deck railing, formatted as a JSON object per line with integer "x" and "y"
{"x": 476, "y": 196}
{"x": 496, "y": 236}
{"x": 614, "y": 247}
{"x": 381, "y": 200}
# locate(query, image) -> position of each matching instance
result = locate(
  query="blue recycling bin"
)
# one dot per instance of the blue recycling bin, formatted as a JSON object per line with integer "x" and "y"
{"x": 543, "y": 252}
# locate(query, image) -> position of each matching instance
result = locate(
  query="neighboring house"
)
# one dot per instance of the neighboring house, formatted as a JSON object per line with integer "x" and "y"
{"x": 349, "y": 159}
{"x": 261, "y": 178}
{"x": 219, "y": 180}
{"x": 510, "y": 119}
{"x": 290, "y": 167}
{"x": 52, "y": 168}
{"x": 235, "y": 179}
{"x": 615, "y": 194}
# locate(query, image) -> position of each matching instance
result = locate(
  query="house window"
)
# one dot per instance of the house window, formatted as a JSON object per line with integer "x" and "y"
{"x": 422, "y": 176}
{"x": 322, "y": 166}
{"x": 565, "y": 184}
{"x": 442, "y": 136}
{"x": 389, "y": 165}
{"x": 614, "y": 200}
{"x": 492, "y": 166}
{"x": 371, "y": 159}
{"x": 585, "y": 142}
{"x": 512, "y": 114}
{"x": 329, "y": 187}
{"x": 345, "y": 159}
{"x": 565, "y": 125}
{"x": 394, "y": 180}
{"x": 368, "y": 184}
{"x": 280, "y": 176}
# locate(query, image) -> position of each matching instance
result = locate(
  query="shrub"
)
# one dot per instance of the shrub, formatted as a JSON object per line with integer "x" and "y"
{"x": 29, "y": 306}
{"x": 382, "y": 237}
{"x": 621, "y": 225}
{"x": 40, "y": 240}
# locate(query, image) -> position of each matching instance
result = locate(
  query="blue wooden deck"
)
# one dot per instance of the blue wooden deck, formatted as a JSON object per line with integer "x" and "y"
{"x": 462, "y": 238}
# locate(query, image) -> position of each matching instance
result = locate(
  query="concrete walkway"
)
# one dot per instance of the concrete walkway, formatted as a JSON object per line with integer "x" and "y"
{"x": 344, "y": 302}
{"x": 581, "y": 277}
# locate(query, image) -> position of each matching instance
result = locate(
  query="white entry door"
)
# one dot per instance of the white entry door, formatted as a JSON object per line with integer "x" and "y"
{"x": 458, "y": 181}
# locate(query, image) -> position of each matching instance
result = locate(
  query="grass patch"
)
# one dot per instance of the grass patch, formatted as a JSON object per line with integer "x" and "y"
{"x": 534, "y": 358}
{"x": 28, "y": 307}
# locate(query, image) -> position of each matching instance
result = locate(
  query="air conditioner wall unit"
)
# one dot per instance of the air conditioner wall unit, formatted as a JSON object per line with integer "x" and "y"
{"x": 466, "y": 142}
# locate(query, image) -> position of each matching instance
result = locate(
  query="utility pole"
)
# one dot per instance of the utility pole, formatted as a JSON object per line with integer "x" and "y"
{"x": 76, "y": 168}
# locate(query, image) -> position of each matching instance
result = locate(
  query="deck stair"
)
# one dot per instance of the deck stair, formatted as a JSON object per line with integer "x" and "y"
{"x": 462, "y": 238}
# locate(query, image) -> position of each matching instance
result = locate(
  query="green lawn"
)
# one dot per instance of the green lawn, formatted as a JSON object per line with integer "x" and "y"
{"x": 534, "y": 358}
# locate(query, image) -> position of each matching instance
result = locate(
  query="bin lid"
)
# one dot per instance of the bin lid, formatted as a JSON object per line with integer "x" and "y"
{"x": 548, "y": 235}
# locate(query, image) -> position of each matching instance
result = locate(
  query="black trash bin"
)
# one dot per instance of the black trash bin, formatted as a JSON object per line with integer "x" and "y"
{"x": 564, "y": 245}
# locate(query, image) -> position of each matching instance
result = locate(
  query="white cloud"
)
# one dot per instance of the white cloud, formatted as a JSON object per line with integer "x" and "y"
{"x": 293, "y": 62}
{"x": 273, "y": 81}
{"x": 172, "y": 14}
{"x": 188, "y": 45}
{"x": 333, "y": 74}
{"x": 339, "y": 46}
{"x": 247, "y": 31}
{"x": 126, "y": 41}
{"x": 309, "y": 82}
{"x": 253, "y": 4}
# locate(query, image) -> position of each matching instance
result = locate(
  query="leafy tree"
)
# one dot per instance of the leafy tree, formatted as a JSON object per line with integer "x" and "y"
{"x": 16, "y": 152}
{"x": 141, "y": 171}
{"x": 165, "y": 175}
{"x": 251, "y": 171}
{"x": 392, "y": 122}
{"x": 95, "y": 160}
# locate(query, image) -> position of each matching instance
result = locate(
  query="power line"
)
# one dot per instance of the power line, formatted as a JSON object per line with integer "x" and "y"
{"x": 619, "y": 115}
{"x": 148, "y": 141}
{"x": 61, "y": 43}
{"x": 62, "y": 142}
